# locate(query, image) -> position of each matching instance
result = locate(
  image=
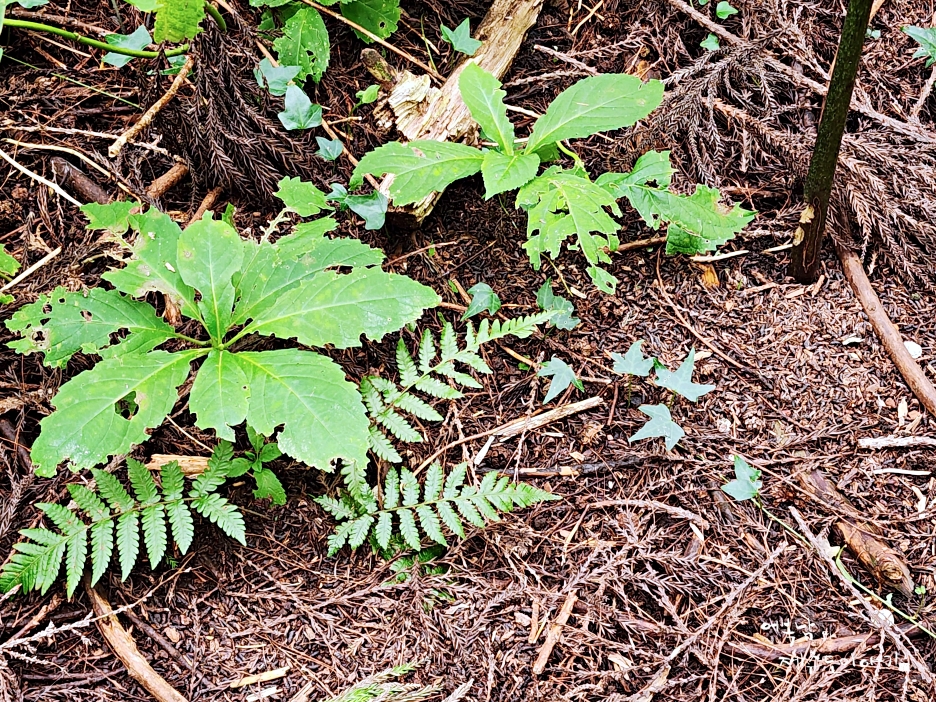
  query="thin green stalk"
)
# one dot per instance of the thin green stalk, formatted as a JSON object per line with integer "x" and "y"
{"x": 216, "y": 16}
{"x": 87, "y": 41}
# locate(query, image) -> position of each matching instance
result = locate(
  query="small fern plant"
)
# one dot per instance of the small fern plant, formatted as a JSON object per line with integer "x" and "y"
{"x": 305, "y": 288}
{"x": 561, "y": 203}
{"x": 106, "y": 514}
{"x": 387, "y": 402}
{"x": 410, "y": 512}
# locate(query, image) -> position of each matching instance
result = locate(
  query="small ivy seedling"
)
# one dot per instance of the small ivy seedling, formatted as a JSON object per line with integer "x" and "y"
{"x": 483, "y": 298}
{"x": 746, "y": 484}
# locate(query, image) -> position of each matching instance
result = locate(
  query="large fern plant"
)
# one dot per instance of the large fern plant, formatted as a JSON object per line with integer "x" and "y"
{"x": 105, "y": 514}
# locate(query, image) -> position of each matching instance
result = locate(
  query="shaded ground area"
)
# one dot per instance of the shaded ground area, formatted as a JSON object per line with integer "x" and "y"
{"x": 671, "y": 580}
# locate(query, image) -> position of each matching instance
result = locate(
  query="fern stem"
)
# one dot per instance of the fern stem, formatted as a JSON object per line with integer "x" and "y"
{"x": 87, "y": 41}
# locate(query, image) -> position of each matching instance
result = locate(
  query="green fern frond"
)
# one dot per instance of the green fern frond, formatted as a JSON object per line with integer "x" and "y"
{"x": 416, "y": 510}
{"x": 108, "y": 516}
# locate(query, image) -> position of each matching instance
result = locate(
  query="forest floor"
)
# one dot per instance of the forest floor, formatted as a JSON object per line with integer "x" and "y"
{"x": 675, "y": 585}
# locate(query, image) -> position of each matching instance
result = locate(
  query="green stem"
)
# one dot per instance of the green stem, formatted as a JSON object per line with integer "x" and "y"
{"x": 786, "y": 527}
{"x": 87, "y": 41}
{"x": 807, "y": 241}
{"x": 195, "y": 342}
{"x": 569, "y": 152}
{"x": 216, "y": 16}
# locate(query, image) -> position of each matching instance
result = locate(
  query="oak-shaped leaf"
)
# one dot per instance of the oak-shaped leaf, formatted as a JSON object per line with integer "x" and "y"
{"x": 661, "y": 424}
{"x": 680, "y": 380}
{"x": 562, "y": 377}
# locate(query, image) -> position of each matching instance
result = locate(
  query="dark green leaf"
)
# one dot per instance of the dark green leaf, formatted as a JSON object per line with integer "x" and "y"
{"x": 379, "y": 17}
{"x": 483, "y": 298}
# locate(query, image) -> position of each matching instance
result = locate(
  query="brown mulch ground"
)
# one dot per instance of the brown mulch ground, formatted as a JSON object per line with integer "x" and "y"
{"x": 665, "y": 598}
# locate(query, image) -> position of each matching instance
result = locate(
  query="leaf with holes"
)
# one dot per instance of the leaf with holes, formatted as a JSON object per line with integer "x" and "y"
{"x": 379, "y": 17}
{"x": 304, "y": 45}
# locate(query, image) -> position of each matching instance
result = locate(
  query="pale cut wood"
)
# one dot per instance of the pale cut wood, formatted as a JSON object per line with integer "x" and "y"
{"x": 880, "y": 442}
{"x": 190, "y": 465}
{"x": 444, "y": 116}
{"x": 555, "y": 631}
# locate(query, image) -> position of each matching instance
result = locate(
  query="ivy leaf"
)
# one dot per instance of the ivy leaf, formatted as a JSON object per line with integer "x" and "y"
{"x": 372, "y": 208}
{"x": 333, "y": 308}
{"x": 561, "y": 203}
{"x": 87, "y": 426}
{"x": 219, "y": 394}
{"x": 460, "y": 38}
{"x": 724, "y": 10}
{"x": 661, "y": 424}
{"x": 304, "y": 44}
{"x": 269, "y": 486}
{"x": 367, "y": 96}
{"x": 8, "y": 264}
{"x": 63, "y": 323}
{"x": 501, "y": 172}
{"x": 329, "y": 149}
{"x": 483, "y": 298}
{"x": 210, "y": 252}
{"x": 301, "y": 197}
{"x": 563, "y": 309}
{"x": 710, "y": 43}
{"x": 322, "y": 415}
{"x": 595, "y": 104}
{"x": 633, "y": 362}
{"x": 926, "y": 38}
{"x": 379, "y": 17}
{"x": 140, "y": 39}
{"x": 419, "y": 168}
{"x": 178, "y": 20}
{"x": 680, "y": 381}
{"x": 562, "y": 377}
{"x": 154, "y": 266}
{"x": 746, "y": 484}
{"x": 275, "y": 78}
{"x": 299, "y": 112}
{"x": 113, "y": 217}
{"x": 482, "y": 94}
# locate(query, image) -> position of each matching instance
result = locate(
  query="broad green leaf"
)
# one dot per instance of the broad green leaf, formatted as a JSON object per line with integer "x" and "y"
{"x": 926, "y": 38}
{"x": 680, "y": 381}
{"x": 596, "y": 104}
{"x": 304, "y": 44}
{"x": 661, "y": 424}
{"x": 419, "y": 168}
{"x": 460, "y": 38}
{"x": 322, "y": 415}
{"x": 633, "y": 362}
{"x": 501, "y": 172}
{"x": 560, "y": 204}
{"x": 483, "y": 298}
{"x": 301, "y": 197}
{"x": 154, "y": 266}
{"x": 562, "y": 377}
{"x": 746, "y": 484}
{"x": 87, "y": 425}
{"x": 368, "y": 95}
{"x": 710, "y": 43}
{"x": 562, "y": 308}
{"x": 379, "y": 17}
{"x": 299, "y": 112}
{"x": 8, "y": 264}
{"x": 62, "y": 323}
{"x": 724, "y": 10}
{"x": 219, "y": 394}
{"x": 269, "y": 487}
{"x": 210, "y": 252}
{"x": 329, "y": 149}
{"x": 275, "y": 78}
{"x": 140, "y": 39}
{"x": 114, "y": 217}
{"x": 482, "y": 93}
{"x": 333, "y": 308}
{"x": 178, "y": 20}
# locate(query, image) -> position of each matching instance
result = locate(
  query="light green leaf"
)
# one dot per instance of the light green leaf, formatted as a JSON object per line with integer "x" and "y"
{"x": 333, "y": 308}
{"x": 322, "y": 415}
{"x": 329, "y": 149}
{"x": 219, "y": 394}
{"x": 368, "y": 95}
{"x": 483, "y": 298}
{"x": 633, "y": 362}
{"x": 420, "y": 167}
{"x": 87, "y": 426}
{"x": 299, "y": 112}
{"x": 408, "y": 529}
{"x": 275, "y": 78}
{"x": 224, "y": 514}
{"x": 926, "y": 38}
{"x": 210, "y": 252}
{"x": 114, "y": 217}
{"x": 153, "y": 521}
{"x": 178, "y": 20}
{"x": 140, "y": 39}
{"x": 432, "y": 486}
{"x": 746, "y": 484}
{"x": 724, "y": 10}
{"x": 8, "y": 264}
{"x": 154, "y": 266}
{"x": 460, "y": 38}
{"x": 379, "y": 17}
{"x": 430, "y": 524}
{"x": 482, "y": 93}
{"x": 102, "y": 548}
{"x": 710, "y": 43}
{"x": 561, "y": 308}
{"x": 304, "y": 44}
{"x": 62, "y": 323}
{"x": 596, "y": 104}
{"x": 680, "y": 381}
{"x": 501, "y": 172}
{"x": 128, "y": 542}
{"x": 144, "y": 5}
{"x": 562, "y": 377}
{"x": 301, "y": 197}
{"x": 661, "y": 424}
{"x": 372, "y": 207}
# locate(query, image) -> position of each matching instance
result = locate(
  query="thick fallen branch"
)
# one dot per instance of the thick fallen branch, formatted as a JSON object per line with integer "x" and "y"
{"x": 798, "y": 649}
